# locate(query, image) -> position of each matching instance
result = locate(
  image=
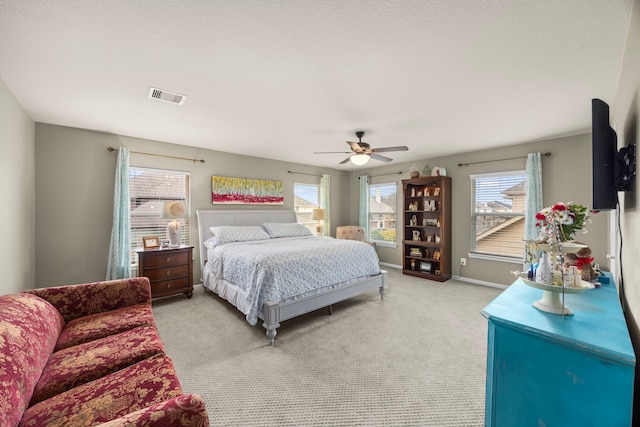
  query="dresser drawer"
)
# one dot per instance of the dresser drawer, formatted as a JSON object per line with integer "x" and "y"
{"x": 166, "y": 259}
{"x": 168, "y": 287}
{"x": 155, "y": 274}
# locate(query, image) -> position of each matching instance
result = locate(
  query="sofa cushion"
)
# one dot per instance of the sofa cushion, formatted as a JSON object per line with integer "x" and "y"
{"x": 135, "y": 387}
{"x": 29, "y": 328}
{"x": 187, "y": 410}
{"x": 86, "y": 362}
{"x": 100, "y": 325}
{"x": 74, "y": 301}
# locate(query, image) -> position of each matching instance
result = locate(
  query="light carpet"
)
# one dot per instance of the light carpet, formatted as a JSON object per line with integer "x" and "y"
{"x": 418, "y": 358}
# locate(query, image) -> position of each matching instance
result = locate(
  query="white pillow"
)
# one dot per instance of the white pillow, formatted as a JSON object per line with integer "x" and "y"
{"x": 290, "y": 229}
{"x": 243, "y": 233}
{"x": 211, "y": 242}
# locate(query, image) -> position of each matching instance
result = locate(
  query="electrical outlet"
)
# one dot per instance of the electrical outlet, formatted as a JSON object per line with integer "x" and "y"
{"x": 463, "y": 261}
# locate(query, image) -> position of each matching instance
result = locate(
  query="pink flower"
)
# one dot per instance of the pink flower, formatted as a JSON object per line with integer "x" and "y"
{"x": 540, "y": 216}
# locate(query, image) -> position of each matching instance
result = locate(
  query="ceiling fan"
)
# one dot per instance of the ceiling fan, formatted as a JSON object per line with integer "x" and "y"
{"x": 362, "y": 151}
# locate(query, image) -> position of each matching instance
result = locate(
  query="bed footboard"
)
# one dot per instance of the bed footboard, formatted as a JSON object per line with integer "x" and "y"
{"x": 273, "y": 312}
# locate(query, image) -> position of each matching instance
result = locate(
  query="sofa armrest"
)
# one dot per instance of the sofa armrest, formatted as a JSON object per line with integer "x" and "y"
{"x": 73, "y": 301}
{"x": 184, "y": 410}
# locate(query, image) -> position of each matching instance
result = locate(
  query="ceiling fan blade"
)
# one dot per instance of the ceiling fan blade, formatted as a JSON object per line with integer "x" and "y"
{"x": 331, "y": 152}
{"x": 345, "y": 160}
{"x": 355, "y": 147}
{"x": 381, "y": 158}
{"x": 387, "y": 149}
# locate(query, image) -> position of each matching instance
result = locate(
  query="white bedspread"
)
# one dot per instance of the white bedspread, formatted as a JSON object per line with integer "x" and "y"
{"x": 283, "y": 268}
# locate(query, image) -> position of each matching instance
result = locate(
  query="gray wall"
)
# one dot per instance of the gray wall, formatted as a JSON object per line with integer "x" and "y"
{"x": 17, "y": 215}
{"x": 625, "y": 119}
{"x": 566, "y": 177}
{"x": 74, "y": 190}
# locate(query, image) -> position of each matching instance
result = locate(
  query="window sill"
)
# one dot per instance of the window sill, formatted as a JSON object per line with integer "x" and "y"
{"x": 384, "y": 244}
{"x": 499, "y": 258}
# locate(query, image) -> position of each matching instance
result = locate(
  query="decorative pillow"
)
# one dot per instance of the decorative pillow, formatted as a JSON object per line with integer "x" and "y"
{"x": 211, "y": 242}
{"x": 241, "y": 233}
{"x": 290, "y": 229}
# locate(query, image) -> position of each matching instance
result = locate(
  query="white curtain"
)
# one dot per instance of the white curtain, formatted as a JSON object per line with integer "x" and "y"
{"x": 363, "y": 213}
{"x": 533, "y": 201}
{"x": 325, "y": 195}
{"x": 119, "y": 264}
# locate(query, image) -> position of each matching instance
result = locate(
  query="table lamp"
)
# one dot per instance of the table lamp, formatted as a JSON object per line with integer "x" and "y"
{"x": 173, "y": 210}
{"x": 320, "y": 215}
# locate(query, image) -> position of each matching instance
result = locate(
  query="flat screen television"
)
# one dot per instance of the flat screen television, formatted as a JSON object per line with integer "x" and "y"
{"x": 604, "y": 152}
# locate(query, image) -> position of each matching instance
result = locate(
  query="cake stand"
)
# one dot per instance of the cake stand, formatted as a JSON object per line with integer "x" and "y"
{"x": 551, "y": 301}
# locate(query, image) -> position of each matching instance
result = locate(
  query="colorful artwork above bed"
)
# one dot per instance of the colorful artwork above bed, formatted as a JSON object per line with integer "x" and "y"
{"x": 229, "y": 190}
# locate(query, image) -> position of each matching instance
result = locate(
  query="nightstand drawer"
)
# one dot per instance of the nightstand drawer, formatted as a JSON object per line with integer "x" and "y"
{"x": 166, "y": 259}
{"x": 168, "y": 287}
{"x": 155, "y": 274}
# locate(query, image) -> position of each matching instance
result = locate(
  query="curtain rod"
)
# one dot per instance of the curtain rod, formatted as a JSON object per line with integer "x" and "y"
{"x": 547, "y": 154}
{"x": 304, "y": 173}
{"x": 111, "y": 149}
{"x": 385, "y": 174}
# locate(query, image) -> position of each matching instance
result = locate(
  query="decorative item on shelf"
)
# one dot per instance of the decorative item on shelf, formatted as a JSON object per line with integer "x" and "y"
{"x": 413, "y": 221}
{"x": 426, "y": 170}
{"x": 415, "y": 252}
{"x": 429, "y": 238}
{"x": 427, "y": 192}
{"x": 436, "y": 255}
{"x": 427, "y": 253}
{"x": 437, "y": 239}
{"x": 583, "y": 261}
{"x": 319, "y": 214}
{"x": 438, "y": 171}
{"x": 425, "y": 266}
{"x": 436, "y": 191}
{"x": 416, "y": 235}
{"x": 413, "y": 172}
{"x": 413, "y": 264}
{"x": 174, "y": 210}
{"x": 419, "y": 193}
{"x": 430, "y": 205}
{"x": 424, "y": 222}
{"x": 413, "y": 192}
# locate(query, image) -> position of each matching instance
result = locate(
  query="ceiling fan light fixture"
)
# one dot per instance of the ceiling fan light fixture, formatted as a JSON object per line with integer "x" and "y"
{"x": 360, "y": 159}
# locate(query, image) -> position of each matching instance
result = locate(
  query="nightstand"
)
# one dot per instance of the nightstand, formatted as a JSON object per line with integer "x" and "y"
{"x": 170, "y": 270}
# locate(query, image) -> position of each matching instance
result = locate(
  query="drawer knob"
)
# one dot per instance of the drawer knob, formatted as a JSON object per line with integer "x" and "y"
{"x": 167, "y": 273}
{"x": 169, "y": 286}
{"x": 167, "y": 259}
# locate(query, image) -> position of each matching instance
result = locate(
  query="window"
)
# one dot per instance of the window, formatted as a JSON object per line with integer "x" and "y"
{"x": 149, "y": 189}
{"x": 382, "y": 213}
{"x": 497, "y": 219}
{"x": 307, "y": 198}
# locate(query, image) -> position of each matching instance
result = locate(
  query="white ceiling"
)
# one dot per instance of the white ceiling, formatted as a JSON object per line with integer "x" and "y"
{"x": 282, "y": 79}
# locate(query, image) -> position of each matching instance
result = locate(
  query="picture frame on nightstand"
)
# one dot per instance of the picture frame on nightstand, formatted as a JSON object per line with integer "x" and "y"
{"x": 151, "y": 242}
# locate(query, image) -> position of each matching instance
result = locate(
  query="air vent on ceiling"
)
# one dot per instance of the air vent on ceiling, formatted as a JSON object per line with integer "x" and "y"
{"x": 164, "y": 95}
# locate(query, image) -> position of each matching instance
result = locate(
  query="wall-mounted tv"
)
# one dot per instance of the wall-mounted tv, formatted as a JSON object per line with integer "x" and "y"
{"x": 613, "y": 170}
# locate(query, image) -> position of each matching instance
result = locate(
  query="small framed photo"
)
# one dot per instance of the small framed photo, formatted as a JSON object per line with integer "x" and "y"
{"x": 436, "y": 191}
{"x": 425, "y": 266}
{"x": 150, "y": 242}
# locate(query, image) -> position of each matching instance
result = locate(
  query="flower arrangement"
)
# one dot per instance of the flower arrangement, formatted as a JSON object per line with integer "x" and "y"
{"x": 569, "y": 217}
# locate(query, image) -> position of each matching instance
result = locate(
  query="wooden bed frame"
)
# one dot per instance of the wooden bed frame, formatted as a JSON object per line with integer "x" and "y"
{"x": 273, "y": 312}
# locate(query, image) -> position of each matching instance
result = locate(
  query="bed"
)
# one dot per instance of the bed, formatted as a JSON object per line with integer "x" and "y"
{"x": 278, "y": 275}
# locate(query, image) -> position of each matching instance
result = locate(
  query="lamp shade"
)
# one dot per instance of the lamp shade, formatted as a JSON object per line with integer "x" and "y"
{"x": 173, "y": 210}
{"x": 359, "y": 159}
{"x": 319, "y": 214}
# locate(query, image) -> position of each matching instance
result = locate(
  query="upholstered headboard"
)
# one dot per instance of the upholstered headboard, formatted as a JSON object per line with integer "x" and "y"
{"x": 210, "y": 218}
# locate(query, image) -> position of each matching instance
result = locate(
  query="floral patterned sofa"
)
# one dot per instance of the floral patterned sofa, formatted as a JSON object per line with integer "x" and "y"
{"x": 88, "y": 354}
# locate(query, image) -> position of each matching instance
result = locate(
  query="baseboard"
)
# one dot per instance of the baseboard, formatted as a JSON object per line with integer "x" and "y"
{"x": 386, "y": 264}
{"x": 480, "y": 282}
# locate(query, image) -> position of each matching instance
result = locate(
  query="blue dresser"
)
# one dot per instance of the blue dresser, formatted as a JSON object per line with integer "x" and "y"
{"x": 546, "y": 370}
